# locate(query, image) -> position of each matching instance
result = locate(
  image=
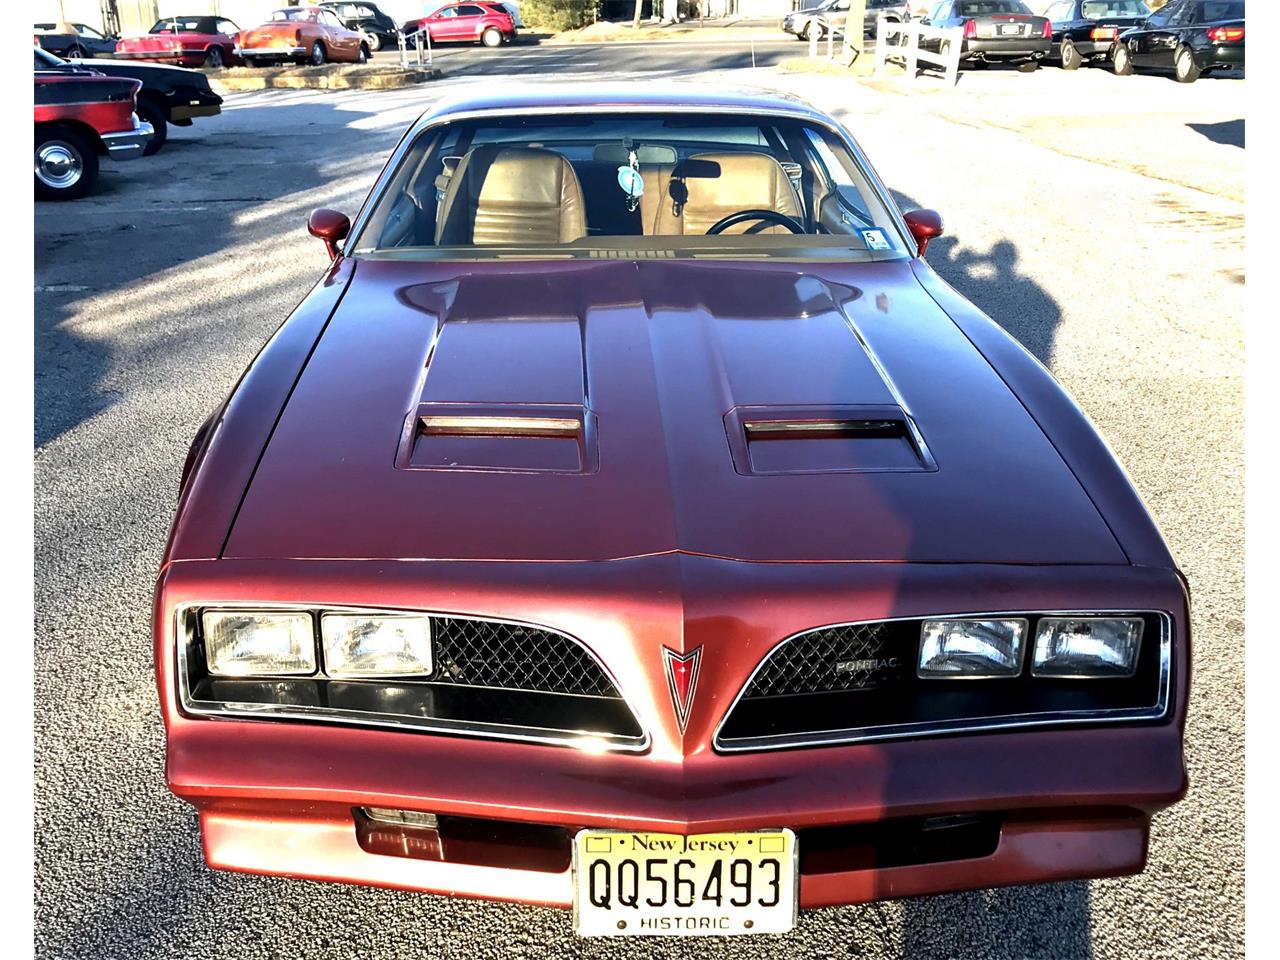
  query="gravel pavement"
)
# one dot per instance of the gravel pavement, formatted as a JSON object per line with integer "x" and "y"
{"x": 153, "y": 295}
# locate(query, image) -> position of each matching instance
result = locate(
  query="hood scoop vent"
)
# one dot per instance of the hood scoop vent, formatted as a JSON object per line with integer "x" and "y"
{"x": 515, "y": 438}
{"x": 771, "y": 441}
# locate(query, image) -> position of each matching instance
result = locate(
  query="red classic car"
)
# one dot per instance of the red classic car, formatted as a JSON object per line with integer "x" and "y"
{"x": 487, "y": 23}
{"x": 81, "y": 115}
{"x": 312, "y": 35}
{"x": 200, "y": 41}
{"x": 630, "y": 520}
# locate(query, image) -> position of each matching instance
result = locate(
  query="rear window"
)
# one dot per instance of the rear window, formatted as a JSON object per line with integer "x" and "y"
{"x": 1213, "y": 10}
{"x": 1101, "y": 9}
{"x": 181, "y": 25}
{"x": 982, "y": 8}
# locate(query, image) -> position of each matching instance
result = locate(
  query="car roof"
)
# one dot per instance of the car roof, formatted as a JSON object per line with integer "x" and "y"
{"x": 687, "y": 96}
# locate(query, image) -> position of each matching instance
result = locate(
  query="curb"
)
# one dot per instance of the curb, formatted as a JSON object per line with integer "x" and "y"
{"x": 318, "y": 78}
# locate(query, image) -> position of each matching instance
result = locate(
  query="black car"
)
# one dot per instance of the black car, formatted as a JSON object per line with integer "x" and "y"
{"x": 993, "y": 30}
{"x": 1086, "y": 30}
{"x": 1189, "y": 37}
{"x": 169, "y": 94}
{"x": 84, "y": 42}
{"x": 367, "y": 19}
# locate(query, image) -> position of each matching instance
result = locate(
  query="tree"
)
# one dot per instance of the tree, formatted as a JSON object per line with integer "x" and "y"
{"x": 635, "y": 21}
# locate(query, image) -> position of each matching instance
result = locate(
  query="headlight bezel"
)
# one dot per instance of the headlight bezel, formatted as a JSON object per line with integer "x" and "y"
{"x": 315, "y": 616}
{"x": 1038, "y": 673}
{"x": 210, "y": 660}
{"x": 327, "y": 668}
{"x": 616, "y": 730}
{"x": 1023, "y": 624}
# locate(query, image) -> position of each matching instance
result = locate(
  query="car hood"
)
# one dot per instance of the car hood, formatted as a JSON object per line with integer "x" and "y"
{"x": 158, "y": 74}
{"x": 631, "y": 396}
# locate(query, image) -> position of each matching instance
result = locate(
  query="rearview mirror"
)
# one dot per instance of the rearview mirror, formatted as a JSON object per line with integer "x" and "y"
{"x": 924, "y": 226}
{"x": 330, "y": 226}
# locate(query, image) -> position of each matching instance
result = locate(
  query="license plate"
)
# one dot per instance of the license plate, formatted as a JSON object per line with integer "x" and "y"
{"x": 659, "y": 884}
{"x": 1010, "y": 29}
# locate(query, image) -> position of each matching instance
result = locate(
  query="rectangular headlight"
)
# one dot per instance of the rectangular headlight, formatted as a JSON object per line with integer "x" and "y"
{"x": 973, "y": 649}
{"x": 371, "y": 645}
{"x": 1087, "y": 647}
{"x": 248, "y": 643}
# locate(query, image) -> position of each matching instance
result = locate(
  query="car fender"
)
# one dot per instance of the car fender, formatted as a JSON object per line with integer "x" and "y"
{"x": 1062, "y": 421}
{"x": 232, "y": 440}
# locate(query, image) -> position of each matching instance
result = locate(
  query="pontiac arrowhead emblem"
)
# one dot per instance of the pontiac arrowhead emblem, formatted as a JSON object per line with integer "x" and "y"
{"x": 682, "y": 679}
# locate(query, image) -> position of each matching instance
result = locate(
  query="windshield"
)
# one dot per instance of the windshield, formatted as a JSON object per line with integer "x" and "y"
{"x": 293, "y": 13}
{"x": 679, "y": 184}
{"x": 1098, "y": 9}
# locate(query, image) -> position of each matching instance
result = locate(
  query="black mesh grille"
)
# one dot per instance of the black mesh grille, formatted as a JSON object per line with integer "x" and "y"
{"x": 859, "y": 656}
{"x": 479, "y": 653}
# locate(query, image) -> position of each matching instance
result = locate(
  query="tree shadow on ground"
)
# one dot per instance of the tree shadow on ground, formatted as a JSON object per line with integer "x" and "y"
{"x": 993, "y": 280}
{"x": 1228, "y": 132}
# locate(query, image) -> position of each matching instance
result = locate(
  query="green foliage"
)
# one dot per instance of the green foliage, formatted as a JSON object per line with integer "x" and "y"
{"x": 554, "y": 15}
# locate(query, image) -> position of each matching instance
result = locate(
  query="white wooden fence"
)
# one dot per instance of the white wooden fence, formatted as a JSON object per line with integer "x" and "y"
{"x": 421, "y": 38}
{"x": 905, "y": 46}
{"x": 848, "y": 52}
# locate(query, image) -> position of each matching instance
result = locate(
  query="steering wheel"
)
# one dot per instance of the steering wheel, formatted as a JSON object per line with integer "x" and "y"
{"x": 744, "y": 216}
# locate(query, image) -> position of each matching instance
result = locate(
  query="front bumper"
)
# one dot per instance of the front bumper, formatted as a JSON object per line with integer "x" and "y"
{"x": 271, "y": 53}
{"x": 1018, "y": 48}
{"x": 128, "y": 144}
{"x": 281, "y": 798}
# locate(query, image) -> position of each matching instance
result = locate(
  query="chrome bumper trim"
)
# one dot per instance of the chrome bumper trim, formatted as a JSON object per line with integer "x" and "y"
{"x": 129, "y": 144}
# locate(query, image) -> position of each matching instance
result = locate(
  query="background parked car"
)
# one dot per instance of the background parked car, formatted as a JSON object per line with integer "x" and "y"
{"x": 379, "y": 29}
{"x": 81, "y": 115}
{"x": 167, "y": 94}
{"x": 1189, "y": 37}
{"x": 80, "y": 41}
{"x": 302, "y": 34}
{"x": 814, "y": 19}
{"x": 487, "y": 23}
{"x": 1086, "y": 30}
{"x": 994, "y": 30}
{"x": 200, "y": 41}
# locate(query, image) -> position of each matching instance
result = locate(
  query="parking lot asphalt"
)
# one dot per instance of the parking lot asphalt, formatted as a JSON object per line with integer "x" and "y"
{"x": 152, "y": 295}
{"x": 670, "y": 57}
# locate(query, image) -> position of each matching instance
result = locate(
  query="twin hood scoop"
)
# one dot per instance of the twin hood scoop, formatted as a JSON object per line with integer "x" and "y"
{"x": 610, "y": 410}
{"x": 557, "y": 438}
{"x": 847, "y": 439}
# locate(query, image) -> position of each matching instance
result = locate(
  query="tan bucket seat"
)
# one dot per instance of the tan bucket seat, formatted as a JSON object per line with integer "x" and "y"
{"x": 691, "y": 196}
{"x": 511, "y": 195}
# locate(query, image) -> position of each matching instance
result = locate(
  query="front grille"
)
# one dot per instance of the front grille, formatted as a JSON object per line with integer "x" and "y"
{"x": 850, "y": 683}
{"x": 510, "y": 656}
{"x": 855, "y": 656}
{"x": 489, "y": 679}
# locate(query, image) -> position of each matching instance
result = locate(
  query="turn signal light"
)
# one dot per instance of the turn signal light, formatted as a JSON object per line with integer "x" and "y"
{"x": 1226, "y": 34}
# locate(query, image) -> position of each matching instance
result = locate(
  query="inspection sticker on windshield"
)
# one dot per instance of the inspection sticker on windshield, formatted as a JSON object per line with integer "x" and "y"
{"x": 874, "y": 238}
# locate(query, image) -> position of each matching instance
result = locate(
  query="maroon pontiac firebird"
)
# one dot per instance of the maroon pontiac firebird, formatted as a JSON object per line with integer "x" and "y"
{"x": 630, "y": 520}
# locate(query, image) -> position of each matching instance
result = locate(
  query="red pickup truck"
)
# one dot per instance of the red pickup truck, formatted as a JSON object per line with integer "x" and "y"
{"x": 81, "y": 115}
